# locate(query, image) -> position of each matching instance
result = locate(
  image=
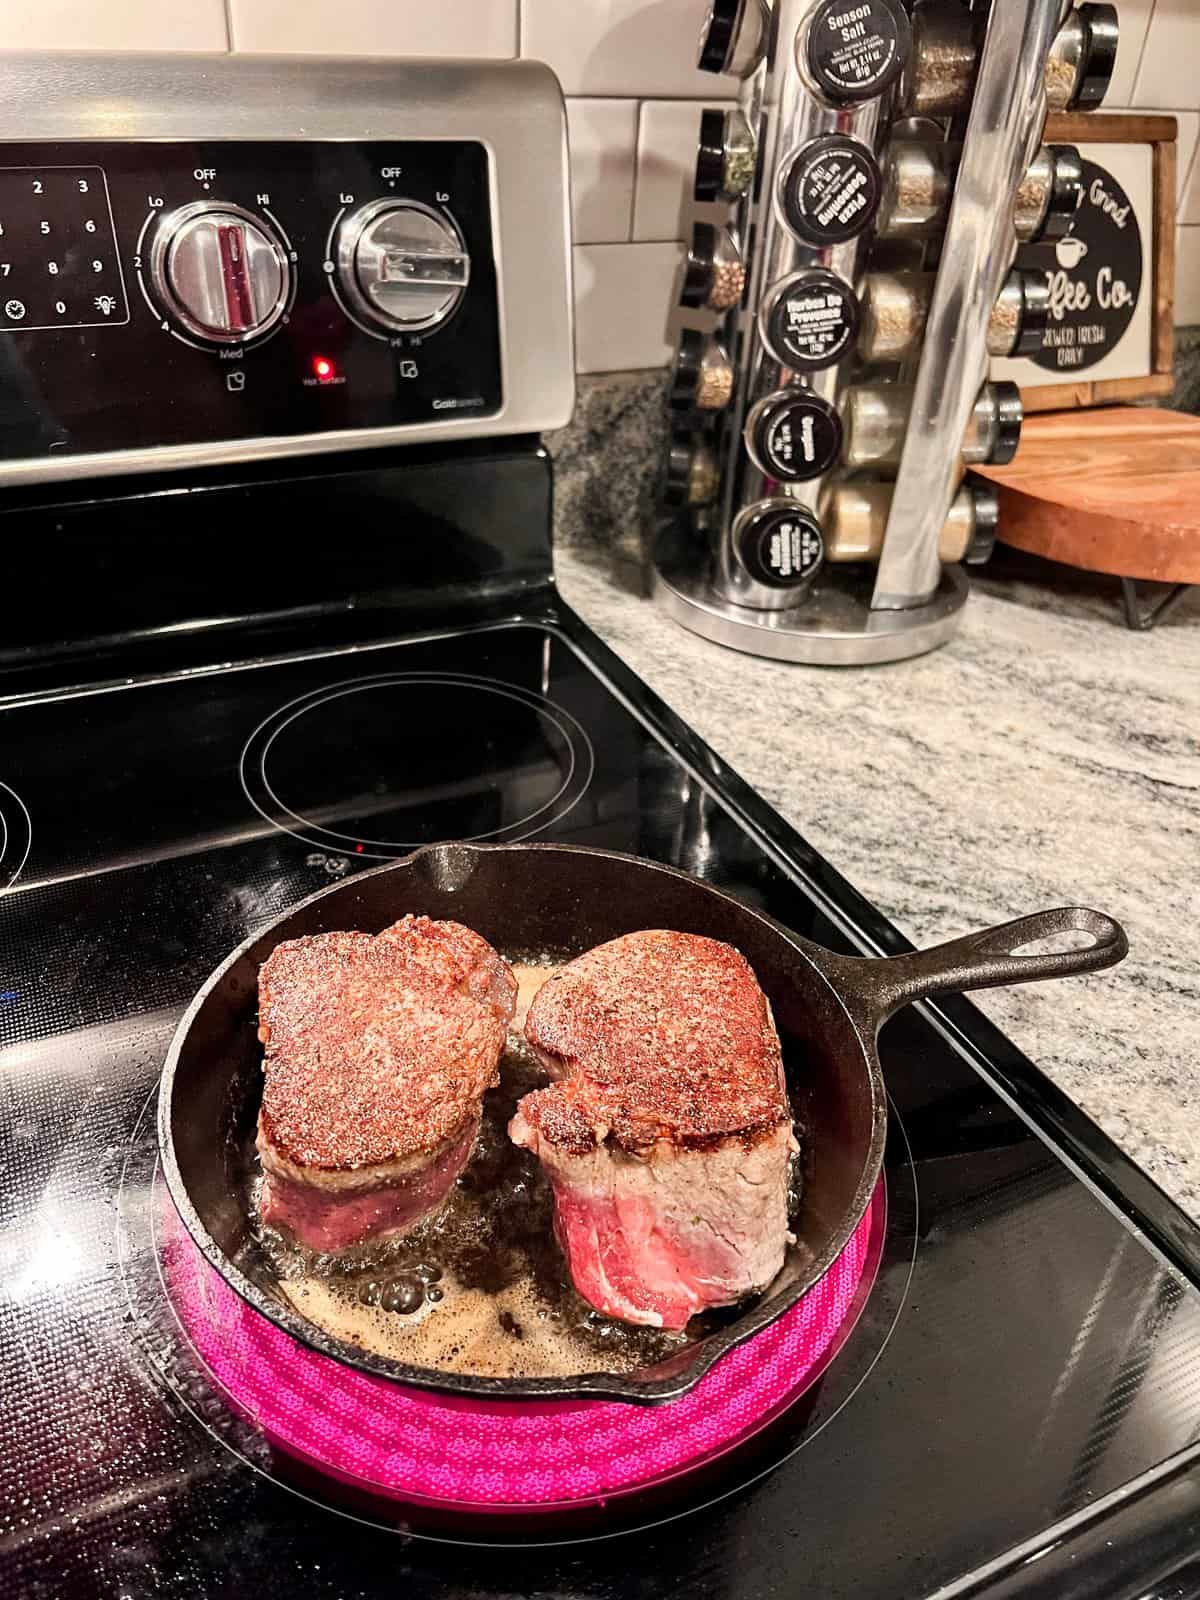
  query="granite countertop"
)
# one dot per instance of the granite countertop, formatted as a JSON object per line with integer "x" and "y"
{"x": 1046, "y": 756}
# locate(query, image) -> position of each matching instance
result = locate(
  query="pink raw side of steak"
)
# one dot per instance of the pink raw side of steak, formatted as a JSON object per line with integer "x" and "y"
{"x": 658, "y": 1237}
{"x": 324, "y": 1219}
{"x": 667, "y": 1137}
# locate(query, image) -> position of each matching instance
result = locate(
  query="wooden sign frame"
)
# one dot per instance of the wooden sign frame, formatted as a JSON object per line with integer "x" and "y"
{"x": 1127, "y": 128}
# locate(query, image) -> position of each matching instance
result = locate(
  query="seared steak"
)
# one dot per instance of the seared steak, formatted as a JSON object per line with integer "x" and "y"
{"x": 667, "y": 1138}
{"x": 378, "y": 1052}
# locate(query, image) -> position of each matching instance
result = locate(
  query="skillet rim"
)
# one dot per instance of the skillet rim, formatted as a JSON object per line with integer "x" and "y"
{"x": 583, "y": 1386}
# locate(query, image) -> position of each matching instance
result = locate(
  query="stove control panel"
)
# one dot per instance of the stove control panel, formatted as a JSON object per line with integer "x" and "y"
{"x": 175, "y": 294}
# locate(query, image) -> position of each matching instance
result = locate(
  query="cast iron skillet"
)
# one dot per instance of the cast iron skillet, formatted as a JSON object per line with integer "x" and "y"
{"x": 562, "y": 898}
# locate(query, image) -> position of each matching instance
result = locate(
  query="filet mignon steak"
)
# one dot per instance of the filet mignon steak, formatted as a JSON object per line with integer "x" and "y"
{"x": 667, "y": 1137}
{"x": 378, "y": 1051}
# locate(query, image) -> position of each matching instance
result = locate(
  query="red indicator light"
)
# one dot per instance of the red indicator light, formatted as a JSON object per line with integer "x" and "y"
{"x": 358, "y": 849}
{"x": 322, "y": 367}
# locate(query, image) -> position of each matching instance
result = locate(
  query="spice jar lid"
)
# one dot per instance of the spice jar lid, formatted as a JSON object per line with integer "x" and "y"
{"x": 1102, "y": 34}
{"x": 679, "y": 468}
{"x": 692, "y": 475}
{"x": 710, "y": 157}
{"x": 1066, "y": 191}
{"x": 985, "y": 504}
{"x": 829, "y": 191}
{"x": 689, "y": 359}
{"x": 852, "y": 50}
{"x": 794, "y": 435}
{"x": 810, "y": 320}
{"x": 717, "y": 35}
{"x": 779, "y": 544}
{"x": 1035, "y": 312}
{"x": 698, "y": 272}
{"x": 1010, "y": 414}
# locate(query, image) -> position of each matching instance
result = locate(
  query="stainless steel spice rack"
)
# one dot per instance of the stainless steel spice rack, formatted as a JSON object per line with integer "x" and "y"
{"x": 881, "y": 165}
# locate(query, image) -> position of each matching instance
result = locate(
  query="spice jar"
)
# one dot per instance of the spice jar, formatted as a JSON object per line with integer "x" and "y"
{"x": 693, "y": 475}
{"x": 918, "y": 187}
{"x": 725, "y": 160}
{"x": 829, "y": 189}
{"x": 714, "y": 275}
{"x": 732, "y": 37}
{"x": 703, "y": 375}
{"x": 875, "y": 419}
{"x": 895, "y": 306}
{"x": 854, "y": 517}
{"x": 1048, "y": 195}
{"x": 941, "y": 63}
{"x": 778, "y": 543}
{"x": 945, "y": 53}
{"x": 848, "y": 51}
{"x": 1081, "y": 61}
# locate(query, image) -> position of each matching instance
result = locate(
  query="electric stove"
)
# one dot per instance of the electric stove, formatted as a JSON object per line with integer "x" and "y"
{"x": 223, "y": 687}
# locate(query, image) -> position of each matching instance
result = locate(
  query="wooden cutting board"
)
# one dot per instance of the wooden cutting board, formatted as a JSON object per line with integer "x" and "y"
{"x": 1113, "y": 490}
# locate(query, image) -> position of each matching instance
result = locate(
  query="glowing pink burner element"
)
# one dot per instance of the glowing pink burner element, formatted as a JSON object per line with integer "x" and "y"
{"x": 413, "y": 1445}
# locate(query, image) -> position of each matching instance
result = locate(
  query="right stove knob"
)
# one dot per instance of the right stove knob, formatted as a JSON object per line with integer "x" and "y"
{"x": 401, "y": 266}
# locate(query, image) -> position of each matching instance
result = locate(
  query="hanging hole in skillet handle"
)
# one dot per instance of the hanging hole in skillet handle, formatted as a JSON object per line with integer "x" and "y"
{"x": 1014, "y": 952}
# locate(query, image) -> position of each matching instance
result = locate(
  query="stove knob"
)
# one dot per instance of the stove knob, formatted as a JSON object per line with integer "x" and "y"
{"x": 219, "y": 272}
{"x": 401, "y": 266}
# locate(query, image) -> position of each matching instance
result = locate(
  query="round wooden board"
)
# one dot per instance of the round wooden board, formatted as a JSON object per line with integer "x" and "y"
{"x": 1113, "y": 490}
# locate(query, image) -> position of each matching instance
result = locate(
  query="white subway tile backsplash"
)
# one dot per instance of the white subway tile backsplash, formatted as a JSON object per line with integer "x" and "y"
{"x": 1187, "y": 277}
{"x": 603, "y": 136}
{"x": 668, "y": 136}
{"x": 622, "y": 47}
{"x": 1169, "y": 75}
{"x": 121, "y": 25}
{"x": 1185, "y": 155}
{"x": 1133, "y": 18}
{"x": 624, "y": 295}
{"x": 369, "y": 27}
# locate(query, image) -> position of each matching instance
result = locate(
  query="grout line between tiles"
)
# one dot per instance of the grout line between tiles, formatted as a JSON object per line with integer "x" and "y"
{"x": 1141, "y": 60}
{"x": 637, "y": 169}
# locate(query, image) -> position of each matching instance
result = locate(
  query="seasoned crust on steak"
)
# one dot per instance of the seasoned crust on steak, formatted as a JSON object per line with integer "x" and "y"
{"x": 657, "y": 1036}
{"x": 378, "y": 1047}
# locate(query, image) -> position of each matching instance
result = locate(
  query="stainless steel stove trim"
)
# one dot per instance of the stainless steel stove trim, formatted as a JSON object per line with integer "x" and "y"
{"x": 831, "y": 628}
{"x": 514, "y": 108}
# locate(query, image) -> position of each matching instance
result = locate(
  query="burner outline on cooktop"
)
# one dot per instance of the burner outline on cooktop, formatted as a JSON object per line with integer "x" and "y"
{"x": 141, "y": 1185}
{"x": 253, "y": 763}
{"x": 16, "y": 836}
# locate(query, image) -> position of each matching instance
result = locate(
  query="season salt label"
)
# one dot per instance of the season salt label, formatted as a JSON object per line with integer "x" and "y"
{"x": 856, "y": 48}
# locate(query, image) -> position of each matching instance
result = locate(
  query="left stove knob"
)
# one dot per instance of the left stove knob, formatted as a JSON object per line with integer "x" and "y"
{"x": 220, "y": 273}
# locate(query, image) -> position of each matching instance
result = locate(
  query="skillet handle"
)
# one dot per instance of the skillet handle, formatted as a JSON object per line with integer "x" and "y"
{"x": 984, "y": 960}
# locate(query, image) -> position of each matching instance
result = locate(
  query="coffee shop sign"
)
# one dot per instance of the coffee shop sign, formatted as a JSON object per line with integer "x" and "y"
{"x": 1070, "y": 294}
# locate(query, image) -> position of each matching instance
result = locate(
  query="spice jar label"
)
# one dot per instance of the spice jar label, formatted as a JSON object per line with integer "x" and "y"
{"x": 812, "y": 321}
{"x": 856, "y": 48}
{"x": 782, "y": 547}
{"x": 796, "y": 435}
{"x": 831, "y": 190}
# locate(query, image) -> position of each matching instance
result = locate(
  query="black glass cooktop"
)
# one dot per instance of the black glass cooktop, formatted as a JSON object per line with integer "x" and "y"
{"x": 1015, "y": 1408}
